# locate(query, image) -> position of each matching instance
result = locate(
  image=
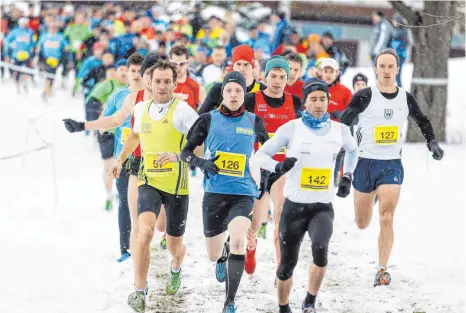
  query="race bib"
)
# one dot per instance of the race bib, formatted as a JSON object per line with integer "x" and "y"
{"x": 152, "y": 169}
{"x": 315, "y": 179}
{"x": 282, "y": 151}
{"x": 385, "y": 135}
{"x": 22, "y": 56}
{"x": 52, "y": 62}
{"x": 125, "y": 131}
{"x": 231, "y": 164}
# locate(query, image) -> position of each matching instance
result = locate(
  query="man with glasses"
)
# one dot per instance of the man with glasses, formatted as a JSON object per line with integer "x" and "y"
{"x": 187, "y": 89}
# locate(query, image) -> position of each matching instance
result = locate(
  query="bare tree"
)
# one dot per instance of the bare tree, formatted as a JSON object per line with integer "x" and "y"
{"x": 432, "y": 33}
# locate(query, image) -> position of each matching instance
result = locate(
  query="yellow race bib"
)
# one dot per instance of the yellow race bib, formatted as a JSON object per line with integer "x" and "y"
{"x": 315, "y": 179}
{"x": 152, "y": 169}
{"x": 385, "y": 135}
{"x": 22, "y": 56}
{"x": 125, "y": 131}
{"x": 282, "y": 151}
{"x": 52, "y": 62}
{"x": 231, "y": 164}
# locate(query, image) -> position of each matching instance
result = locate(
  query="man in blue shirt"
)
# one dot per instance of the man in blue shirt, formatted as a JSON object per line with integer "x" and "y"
{"x": 114, "y": 104}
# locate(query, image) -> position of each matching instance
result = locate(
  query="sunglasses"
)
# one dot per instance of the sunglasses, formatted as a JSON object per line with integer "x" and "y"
{"x": 183, "y": 63}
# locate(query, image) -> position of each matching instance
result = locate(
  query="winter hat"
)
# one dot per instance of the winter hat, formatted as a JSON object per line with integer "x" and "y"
{"x": 277, "y": 62}
{"x": 234, "y": 77}
{"x": 359, "y": 77}
{"x": 121, "y": 62}
{"x": 148, "y": 62}
{"x": 313, "y": 84}
{"x": 243, "y": 52}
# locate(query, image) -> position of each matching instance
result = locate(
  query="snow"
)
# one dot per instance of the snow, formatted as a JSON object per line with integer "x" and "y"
{"x": 62, "y": 258}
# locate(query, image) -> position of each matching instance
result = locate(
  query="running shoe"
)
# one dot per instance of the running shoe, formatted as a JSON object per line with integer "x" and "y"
{"x": 137, "y": 301}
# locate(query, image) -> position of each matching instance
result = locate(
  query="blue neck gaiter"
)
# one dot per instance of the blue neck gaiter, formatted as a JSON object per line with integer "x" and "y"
{"x": 315, "y": 123}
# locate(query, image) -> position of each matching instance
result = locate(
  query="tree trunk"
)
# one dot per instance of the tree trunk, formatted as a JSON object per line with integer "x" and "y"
{"x": 430, "y": 60}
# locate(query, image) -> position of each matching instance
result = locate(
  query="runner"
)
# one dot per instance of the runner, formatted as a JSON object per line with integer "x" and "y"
{"x": 359, "y": 82}
{"x": 382, "y": 112}
{"x": 312, "y": 143}
{"x": 295, "y": 84}
{"x": 228, "y": 135}
{"x": 160, "y": 125}
{"x": 113, "y": 105}
{"x": 276, "y": 108}
{"x": 243, "y": 62}
{"x": 144, "y": 94}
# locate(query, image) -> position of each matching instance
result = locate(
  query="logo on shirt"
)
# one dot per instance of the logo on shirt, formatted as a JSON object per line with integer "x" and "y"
{"x": 165, "y": 121}
{"x": 146, "y": 128}
{"x": 276, "y": 116}
{"x": 244, "y": 131}
{"x": 388, "y": 114}
{"x": 261, "y": 107}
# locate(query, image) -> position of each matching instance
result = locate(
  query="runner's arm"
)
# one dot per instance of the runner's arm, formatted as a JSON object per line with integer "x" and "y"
{"x": 212, "y": 101}
{"x": 129, "y": 146}
{"x": 264, "y": 156}
{"x": 351, "y": 150}
{"x": 202, "y": 94}
{"x": 421, "y": 120}
{"x": 196, "y": 136}
{"x": 116, "y": 119}
{"x": 358, "y": 104}
{"x": 298, "y": 106}
{"x": 259, "y": 128}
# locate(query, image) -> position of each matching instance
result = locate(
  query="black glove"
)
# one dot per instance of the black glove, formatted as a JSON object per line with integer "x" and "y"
{"x": 208, "y": 167}
{"x": 264, "y": 183}
{"x": 344, "y": 186}
{"x": 105, "y": 137}
{"x": 285, "y": 166}
{"x": 73, "y": 126}
{"x": 336, "y": 115}
{"x": 437, "y": 152}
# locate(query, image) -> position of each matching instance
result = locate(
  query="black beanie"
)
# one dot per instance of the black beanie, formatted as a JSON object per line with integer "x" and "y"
{"x": 148, "y": 62}
{"x": 359, "y": 77}
{"x": 235, "y": 77}
{"x": 313, "y": 84}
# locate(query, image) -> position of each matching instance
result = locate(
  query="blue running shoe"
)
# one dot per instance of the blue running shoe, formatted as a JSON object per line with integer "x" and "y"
{"x": 220, "y": 267}
{"x": 229, "y": 308}
{"x": 124, "y": 256}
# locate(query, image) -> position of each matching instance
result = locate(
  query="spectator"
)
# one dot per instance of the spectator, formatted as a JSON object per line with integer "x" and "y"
{"x": 401, "y": 42}
{"x": 328, "y": 42}
{"x": 380, "y": 35}
{"x": 213, "y": 71}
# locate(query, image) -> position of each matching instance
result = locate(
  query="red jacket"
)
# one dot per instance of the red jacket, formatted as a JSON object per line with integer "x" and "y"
{"x": 340, "y": 97}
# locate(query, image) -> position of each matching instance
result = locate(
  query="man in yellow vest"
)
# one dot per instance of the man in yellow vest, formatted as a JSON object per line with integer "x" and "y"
{"x": 160, "y": 126}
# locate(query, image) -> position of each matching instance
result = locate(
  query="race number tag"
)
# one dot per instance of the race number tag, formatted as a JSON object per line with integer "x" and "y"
{"x": 152, "y": 169}
{"x": 231, "y": 164}
{"x": 52, "y": 62}
{"x": 125, "y": 131}
{"x": 315, "y": 179}
{"x": 385, "y": 135}
{"x": 22, "y": 56}
{"x": 282, "y": 151}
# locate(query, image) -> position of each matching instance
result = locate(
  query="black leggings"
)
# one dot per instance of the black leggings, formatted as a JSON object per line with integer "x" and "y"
{"x": 296, "y": 219}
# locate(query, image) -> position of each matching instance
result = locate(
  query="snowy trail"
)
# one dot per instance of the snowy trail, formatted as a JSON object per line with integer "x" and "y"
{"x": 62, "y": 259}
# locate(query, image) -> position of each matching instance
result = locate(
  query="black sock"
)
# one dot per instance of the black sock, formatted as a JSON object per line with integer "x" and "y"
{"x": 310, "y": 299}
{"x": 235, "y": 269}
{"x": 284, "y": 308}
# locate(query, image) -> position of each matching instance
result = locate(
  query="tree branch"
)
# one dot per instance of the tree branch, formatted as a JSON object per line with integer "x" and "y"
{"x": 407, "y": 12}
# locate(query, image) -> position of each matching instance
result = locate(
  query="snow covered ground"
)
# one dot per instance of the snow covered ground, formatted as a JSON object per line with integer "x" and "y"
{"x": 62, "y": 258}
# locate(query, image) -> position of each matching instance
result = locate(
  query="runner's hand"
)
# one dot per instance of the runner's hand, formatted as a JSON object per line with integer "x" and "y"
{"x": 167, "y": 157}
{"x": 344, "y": 186}
{"x": 208, "y": 167}
{"x": 115, "y": 169}
{"x": 437, "y": 152}
{"x": 286, "y": 165}
{"x": 73, "y": 126}
{"x": 181, "y": 96}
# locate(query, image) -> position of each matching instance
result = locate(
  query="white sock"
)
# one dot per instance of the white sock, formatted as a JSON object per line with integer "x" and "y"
{"x": 175, "y": 271}
{"x": 381, "y": 267}
{"x": 109, "y": 195}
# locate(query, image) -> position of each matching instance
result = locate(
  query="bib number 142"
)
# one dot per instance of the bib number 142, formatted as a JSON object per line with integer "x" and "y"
{"x": 315, "y": 179}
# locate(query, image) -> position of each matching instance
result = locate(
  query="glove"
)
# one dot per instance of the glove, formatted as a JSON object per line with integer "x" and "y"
{"x": 73, "y": 126}
{"x": 336, "y": 115}
{"x": 208, "y": 167}
{"x": 344, "y": 186}
{"x": 264, "y": 182}
{"x": 437, "y": 152}
{"x": 105, "y": 137}
{"x": 285, "y": 166}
